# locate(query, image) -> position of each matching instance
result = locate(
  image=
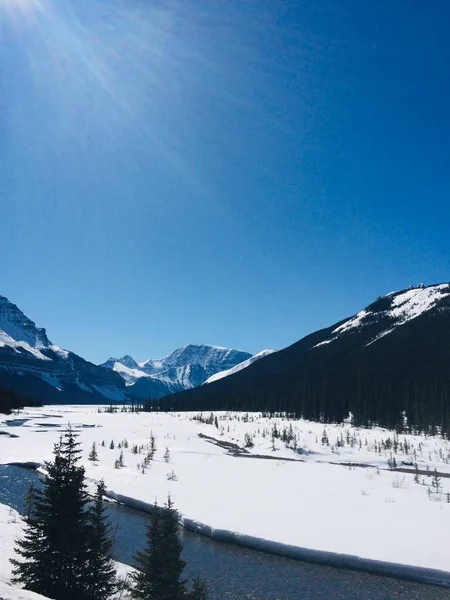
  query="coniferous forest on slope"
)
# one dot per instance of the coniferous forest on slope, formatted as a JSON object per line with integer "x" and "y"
{"x": 10, "y": 401}
{"x": 404, "y": 373}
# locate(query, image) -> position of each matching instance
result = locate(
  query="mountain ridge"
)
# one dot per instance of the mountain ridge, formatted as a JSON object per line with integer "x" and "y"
{"x": 34, "y": 366}
{"x": 387, "y": 361}
{"x": 27, "y": 355}
{"x": 186, "y": 367}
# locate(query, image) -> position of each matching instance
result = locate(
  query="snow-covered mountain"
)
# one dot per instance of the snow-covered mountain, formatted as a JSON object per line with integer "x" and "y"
{"x": 239, "y": 367}
{"x": 32, "y": 364}
{"x": 185, "y": 368}
{"x": 392, "y": 311}
{"x": 388, "y": 360}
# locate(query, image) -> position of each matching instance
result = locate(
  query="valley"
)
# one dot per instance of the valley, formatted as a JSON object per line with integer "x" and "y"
{"x": 299, "y": 502}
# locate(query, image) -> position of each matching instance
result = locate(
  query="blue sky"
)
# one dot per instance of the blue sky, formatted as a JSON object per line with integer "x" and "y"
{"x": 238, "y": 173}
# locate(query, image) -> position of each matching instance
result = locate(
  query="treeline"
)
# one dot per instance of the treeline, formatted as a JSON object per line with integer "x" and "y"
{"x": 401, "y": 382}
{"x": 66, "y": 550}
{"x": 10, "y": 401}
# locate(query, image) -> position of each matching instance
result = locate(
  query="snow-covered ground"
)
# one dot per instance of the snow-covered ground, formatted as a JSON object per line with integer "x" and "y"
{"x": 308, "y": 502}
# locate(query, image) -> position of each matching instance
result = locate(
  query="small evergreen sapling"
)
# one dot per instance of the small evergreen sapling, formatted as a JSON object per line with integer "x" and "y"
{"x": 93, "y": 456}
{"x": 152, "y": 449}
{"x": 436, "y": 482}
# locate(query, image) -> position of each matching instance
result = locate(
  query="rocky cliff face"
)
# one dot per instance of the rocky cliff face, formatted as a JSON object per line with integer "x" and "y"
{"x": 26, "y": 352}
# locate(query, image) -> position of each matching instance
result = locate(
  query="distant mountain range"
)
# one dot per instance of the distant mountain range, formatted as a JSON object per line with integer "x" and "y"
{"x": 185, "y": 368}
{"x": 32, "y": 365}
{"x": 388, "y": 364}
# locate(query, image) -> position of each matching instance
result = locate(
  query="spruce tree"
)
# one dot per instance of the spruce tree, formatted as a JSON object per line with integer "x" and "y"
{"x": 199, "y": 590}
{"x": 93, "y": 456}
{"x": 146, "y": 578}
{"x": 152, "y": 448}
{"x": 173, "y": 565}
{"x": 167, "y": 455}
{"x": 159, "y": 565}
{"x": 53, "y": 553}
{"x": 101, "y": 578}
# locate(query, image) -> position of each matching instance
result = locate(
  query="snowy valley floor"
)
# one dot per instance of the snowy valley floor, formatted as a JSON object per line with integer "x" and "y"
{"x": 295, "y": 496}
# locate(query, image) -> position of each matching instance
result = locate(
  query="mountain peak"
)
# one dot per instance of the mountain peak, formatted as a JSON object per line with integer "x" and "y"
{"x": 184, "y": 368}
{"x": 34, "y": 366}
{"x": 19, "y": 327}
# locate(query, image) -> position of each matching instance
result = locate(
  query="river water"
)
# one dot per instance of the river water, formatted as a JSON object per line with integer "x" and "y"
{"x": 235, "y": 573}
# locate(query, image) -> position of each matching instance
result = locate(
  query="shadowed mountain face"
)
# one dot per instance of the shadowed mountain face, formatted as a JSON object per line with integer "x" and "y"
{"x": 32, "y": 365}
{"x": 185, "y": 368}
{"x": 388, "y": 362}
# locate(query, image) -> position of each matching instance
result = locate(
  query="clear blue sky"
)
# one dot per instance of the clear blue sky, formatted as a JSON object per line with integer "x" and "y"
{"x": 238, "y": 173}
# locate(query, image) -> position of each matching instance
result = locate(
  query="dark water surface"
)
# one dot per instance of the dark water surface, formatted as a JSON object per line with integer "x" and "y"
{"x": 235, "y": 573}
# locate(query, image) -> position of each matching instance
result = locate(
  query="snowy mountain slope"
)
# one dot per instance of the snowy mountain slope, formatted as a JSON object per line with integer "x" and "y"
{"x": 388, "y": 360}
{"x": 394, "y": 310}
{"x": 239, "y": 367}
{"x": 185, "y": 368}
{"x": 26, "y": 354}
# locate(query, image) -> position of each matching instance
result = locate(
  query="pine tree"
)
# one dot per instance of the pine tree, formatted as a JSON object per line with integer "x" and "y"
{"x": 145, "y": 579}
{"x": 111, "y": 445}
{"x": 436, "y": 482}
{"x": 159, "y": 565}
{"x": 152, "y": 449}
{"x": 53, "y": 553}
{"x": 173, "y": 565}
{"x": 199, "y": 590}
{"x": 93, "y": 456}
{"x": 101, "y": 580}
{"x": 167, "y": 455}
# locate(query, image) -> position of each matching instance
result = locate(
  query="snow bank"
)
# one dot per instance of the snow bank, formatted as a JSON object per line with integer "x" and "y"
{"x": 9, "y": 592}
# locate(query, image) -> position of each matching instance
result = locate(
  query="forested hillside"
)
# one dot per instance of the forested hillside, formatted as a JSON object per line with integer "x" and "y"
{"x": 381, "y": 366}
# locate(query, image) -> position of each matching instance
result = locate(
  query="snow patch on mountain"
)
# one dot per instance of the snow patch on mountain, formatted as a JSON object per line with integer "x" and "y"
{"x": 243, "y": 365}
{"x": 130, "y": 375}
{"x": 20, "y": 346}
{"x": 402, "y": 307}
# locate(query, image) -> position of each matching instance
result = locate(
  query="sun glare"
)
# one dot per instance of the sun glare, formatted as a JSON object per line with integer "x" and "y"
{"x": 21, "y": 7}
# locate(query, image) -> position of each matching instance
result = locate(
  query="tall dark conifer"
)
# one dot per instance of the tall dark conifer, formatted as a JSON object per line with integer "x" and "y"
{"x": 146, "y": 579}
{"x": 159, "y": 565}
{"x": 53, "y": 555}
{"x": 101, "y": 576}
{"x": 173, "y": 587}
